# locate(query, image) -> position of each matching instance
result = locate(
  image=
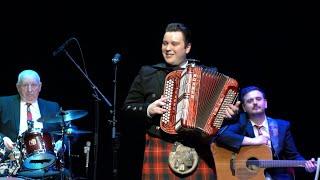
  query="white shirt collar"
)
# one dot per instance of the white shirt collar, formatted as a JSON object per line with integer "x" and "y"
{"x": 32, "y": 104}
{"x": 184, "y": 65}
{"x": 264, "y": 123}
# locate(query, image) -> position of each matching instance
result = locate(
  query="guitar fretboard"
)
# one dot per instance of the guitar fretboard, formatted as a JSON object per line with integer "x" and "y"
{"x": 277, "y": 163}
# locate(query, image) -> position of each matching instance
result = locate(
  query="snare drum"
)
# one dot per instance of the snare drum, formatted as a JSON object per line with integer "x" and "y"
{"x": 37, "y": 150}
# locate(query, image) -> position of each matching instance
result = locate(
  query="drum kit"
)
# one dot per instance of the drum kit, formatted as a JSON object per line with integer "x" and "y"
{"x": 35, "y": 154}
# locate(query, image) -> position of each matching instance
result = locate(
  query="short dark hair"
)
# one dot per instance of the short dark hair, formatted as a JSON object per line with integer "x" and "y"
{"x": 173, "y": 27}
{"x": 248, "y": 89}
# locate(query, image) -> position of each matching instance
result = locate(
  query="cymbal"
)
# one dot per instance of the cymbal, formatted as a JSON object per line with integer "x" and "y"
{"x": 68, "y": 115}
{"x": 71, "y": 131}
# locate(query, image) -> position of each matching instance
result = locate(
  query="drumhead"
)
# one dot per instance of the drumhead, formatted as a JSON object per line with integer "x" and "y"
{"x": 38, "y": 173}
{"x": 10, "y": 177}
{"x": 44, "y": 173}
{"x": 39, "y": 160}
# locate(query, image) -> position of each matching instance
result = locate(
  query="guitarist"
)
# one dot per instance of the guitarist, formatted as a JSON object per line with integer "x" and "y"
{"x": 255, "y": 128}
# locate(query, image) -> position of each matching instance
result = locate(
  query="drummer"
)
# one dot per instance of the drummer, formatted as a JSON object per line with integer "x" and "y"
{"x": 18, "y": 113}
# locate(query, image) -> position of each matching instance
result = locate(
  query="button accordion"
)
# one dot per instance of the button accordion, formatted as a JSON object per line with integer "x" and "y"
{"x": 197, "y": 98}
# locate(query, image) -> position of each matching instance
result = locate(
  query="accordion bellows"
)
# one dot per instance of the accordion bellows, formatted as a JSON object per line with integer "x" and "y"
{"x": 197, "y": 98}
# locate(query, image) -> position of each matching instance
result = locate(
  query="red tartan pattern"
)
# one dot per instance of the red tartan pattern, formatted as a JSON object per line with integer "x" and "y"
{"x": 156, "y": 167}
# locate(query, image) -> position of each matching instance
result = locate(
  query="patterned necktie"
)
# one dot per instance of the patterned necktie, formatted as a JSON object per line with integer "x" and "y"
{"x": 29, "y": 114}
{"x": 29, "y": 117}
{"x": 259, "y": 129}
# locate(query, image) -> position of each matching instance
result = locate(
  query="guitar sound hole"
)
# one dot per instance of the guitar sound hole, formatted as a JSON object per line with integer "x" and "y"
{"x": 252, "y": 164}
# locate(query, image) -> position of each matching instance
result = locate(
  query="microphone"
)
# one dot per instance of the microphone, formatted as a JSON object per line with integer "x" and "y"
{"x": 116, "y": 58}
{"x": 61, "y": 48}
{"x": 87, "y": 152}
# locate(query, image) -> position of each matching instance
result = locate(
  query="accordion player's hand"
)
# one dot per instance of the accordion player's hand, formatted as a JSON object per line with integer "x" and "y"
{"x": 232, "y": 110}
{"x": 157, "y": 107}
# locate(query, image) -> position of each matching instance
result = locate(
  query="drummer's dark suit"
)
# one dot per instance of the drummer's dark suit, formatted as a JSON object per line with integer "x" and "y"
{"x": 10, "y": 115}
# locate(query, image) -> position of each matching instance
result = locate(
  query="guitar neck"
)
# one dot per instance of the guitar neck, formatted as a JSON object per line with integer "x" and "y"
{"x": 278, "y": 163}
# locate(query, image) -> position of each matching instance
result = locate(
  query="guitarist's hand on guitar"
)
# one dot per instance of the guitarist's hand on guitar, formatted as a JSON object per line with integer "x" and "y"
{"x": 310, "y": 165}
{"x": 262, "y": 139}
{"x": 232, "y": 110}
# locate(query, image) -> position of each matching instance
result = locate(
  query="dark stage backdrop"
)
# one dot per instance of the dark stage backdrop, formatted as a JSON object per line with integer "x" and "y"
{"x": 267, "y": 43}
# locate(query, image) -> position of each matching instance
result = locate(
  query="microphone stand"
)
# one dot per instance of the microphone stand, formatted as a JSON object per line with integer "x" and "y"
{"x": 69, "y": 155}
{"x": 115, "y": 141}
{"x": 96, "y": 112}
{"x": 94, "y": 87}
{"x": 63, "y": 126}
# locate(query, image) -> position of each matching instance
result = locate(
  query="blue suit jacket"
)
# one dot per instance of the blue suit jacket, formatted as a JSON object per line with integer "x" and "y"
{"x": 283, "y": 146}
{"x": 10, "y": 115}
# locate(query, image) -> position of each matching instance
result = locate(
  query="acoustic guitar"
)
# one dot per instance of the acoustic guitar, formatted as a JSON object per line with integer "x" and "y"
{"x": 249, "y": 163}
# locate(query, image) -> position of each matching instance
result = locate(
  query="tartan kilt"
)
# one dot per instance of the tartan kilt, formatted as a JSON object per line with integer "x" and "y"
{"x": 156, "y": 165}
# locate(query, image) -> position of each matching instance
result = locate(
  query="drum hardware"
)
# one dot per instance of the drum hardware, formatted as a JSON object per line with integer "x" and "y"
{"x": 64, "y": 118}
{"x": 71, "y": 131}
{"x": 30, "y": 125}
{"x": 11, "y": 166}
{"x": 2, "y": 151}
{"x": 22, "y": 160}
{"x": 34, "y": 155}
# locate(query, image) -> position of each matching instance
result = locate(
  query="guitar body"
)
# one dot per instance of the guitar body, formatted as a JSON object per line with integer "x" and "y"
{"x": 233, "y": 166}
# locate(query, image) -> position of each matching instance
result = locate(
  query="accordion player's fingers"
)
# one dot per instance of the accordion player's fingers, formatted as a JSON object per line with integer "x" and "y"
{"x": 163, "y": 98}
{"x": 157, "y": 107}
{"x": 152, "y": 110}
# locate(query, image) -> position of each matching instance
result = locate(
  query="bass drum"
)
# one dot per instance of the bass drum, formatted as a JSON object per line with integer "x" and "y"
{"x": 39, "y": 173}
{"x": 37, "y": 149}
{"x": 53, "y": 172}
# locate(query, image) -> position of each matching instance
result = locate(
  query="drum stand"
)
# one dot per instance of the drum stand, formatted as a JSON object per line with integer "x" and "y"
{"x": 63, "y": 132}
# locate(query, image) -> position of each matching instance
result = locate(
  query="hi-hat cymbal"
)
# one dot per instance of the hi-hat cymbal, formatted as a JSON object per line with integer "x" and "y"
{"x": 71, "y": 131}
{"x": 68, "y": 115}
